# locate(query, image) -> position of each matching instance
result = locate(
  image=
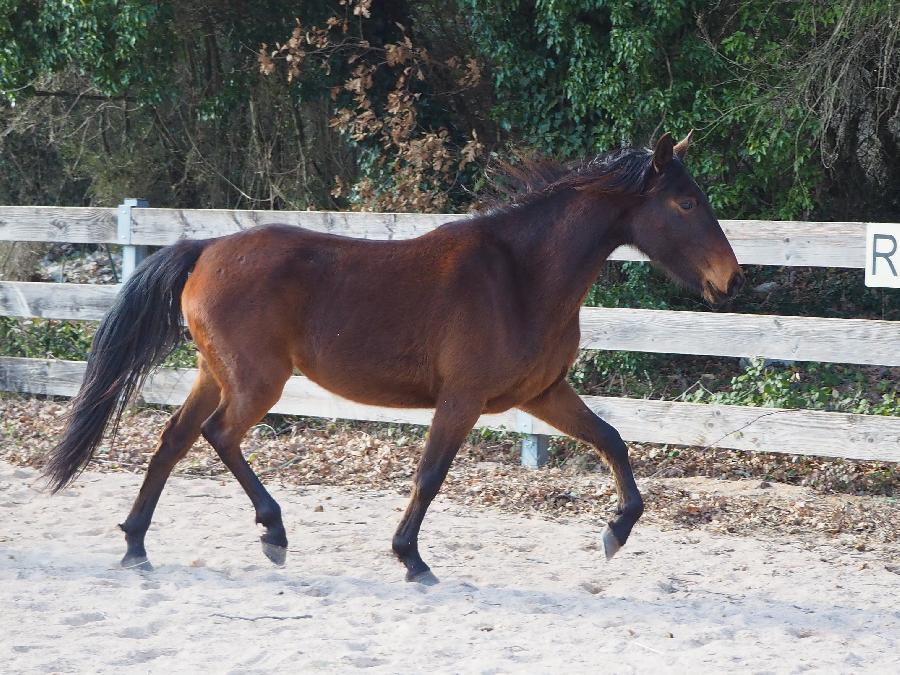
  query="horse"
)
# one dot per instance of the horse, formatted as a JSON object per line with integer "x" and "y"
{"x": 477, "y": 316}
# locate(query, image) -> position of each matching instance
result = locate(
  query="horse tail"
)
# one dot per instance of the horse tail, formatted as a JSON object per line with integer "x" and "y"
{"x": 141, "y": 329}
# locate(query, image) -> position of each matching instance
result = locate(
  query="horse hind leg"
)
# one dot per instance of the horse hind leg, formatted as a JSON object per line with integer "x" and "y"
{"x": 179, "y": 435}
{"x": 244, "y": 402}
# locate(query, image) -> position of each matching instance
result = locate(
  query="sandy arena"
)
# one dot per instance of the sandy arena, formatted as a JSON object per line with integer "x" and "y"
{"x": 518, "y": 594}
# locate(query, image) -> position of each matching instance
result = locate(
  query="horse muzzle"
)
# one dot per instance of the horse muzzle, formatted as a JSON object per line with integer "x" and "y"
{"x": 717, "y": 294}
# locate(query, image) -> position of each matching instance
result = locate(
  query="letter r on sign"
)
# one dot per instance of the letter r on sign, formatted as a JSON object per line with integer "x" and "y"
{"x": 882, "y": 263}
{"x": 880, "y": 252}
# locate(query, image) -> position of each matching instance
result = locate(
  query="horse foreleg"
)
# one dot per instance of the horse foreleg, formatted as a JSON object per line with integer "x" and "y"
{"x": 453, "y": 420}
{"x": 563, "y": 409}
{"x": 182, "y": 429}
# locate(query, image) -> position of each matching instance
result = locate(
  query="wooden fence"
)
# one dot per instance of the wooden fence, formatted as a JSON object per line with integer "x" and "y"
{"x": 779, "y": 243}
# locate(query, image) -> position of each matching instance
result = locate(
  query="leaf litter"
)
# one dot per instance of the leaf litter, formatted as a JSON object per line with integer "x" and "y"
{"x": 805, "y": 500}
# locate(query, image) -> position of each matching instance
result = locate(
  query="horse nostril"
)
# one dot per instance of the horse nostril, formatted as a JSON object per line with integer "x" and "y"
{"x": 736, "y": 283}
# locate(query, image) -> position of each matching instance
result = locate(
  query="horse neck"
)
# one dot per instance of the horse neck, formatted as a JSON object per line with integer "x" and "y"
{"x": 561, "y": 244}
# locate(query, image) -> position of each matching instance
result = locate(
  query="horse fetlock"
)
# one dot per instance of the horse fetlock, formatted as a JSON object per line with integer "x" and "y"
{"x": 632, "y": 509}
{"x": 269, "y": 516}
{"x": 408, "y": 553}
{"x": 134, "y": 537}
{"x": 129, "y": 528}
{"x": 277, "y": 536}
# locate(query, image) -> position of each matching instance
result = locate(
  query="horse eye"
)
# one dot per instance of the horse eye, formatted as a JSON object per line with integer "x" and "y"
{"x": 686, "y": 205}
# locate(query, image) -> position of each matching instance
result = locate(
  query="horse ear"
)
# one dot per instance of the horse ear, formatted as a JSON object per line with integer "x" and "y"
{"x": 662, "y": 153}
{"x": 682, "y": 146}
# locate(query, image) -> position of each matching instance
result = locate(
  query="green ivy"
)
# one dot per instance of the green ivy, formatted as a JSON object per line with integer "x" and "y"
{"x": 627, "y": 284}
{"x": 813, "y": 386}
{"x": 45, "y": 338}
{"x": 114, "y": 45}
{"x": 596, "y": 74}
{"x": 67, "y": 340}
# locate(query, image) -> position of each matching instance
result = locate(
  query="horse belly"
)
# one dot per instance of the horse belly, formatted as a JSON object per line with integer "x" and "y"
{"x": 371, "y": 388}
{"x": 357, "y": 369}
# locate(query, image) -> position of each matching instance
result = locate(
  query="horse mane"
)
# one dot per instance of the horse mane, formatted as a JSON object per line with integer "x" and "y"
{"x": 529, "y": 178}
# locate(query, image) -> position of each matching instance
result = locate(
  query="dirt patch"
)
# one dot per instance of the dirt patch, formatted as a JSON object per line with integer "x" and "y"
{"x": 518, "y": 592}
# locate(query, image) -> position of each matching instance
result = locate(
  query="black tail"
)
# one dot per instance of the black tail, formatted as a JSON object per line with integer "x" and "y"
{"x": 141, "y": 329}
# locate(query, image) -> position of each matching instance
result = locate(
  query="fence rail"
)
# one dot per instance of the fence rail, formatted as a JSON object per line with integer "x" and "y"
{"x": 797, "y": 338}
{"x": 784, "y": 243}
{"x": 755, "y": 242}
{"x": 738, "y": 427}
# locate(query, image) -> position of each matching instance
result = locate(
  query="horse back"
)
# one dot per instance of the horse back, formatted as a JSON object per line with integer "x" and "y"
{"x": 381, "y": 322}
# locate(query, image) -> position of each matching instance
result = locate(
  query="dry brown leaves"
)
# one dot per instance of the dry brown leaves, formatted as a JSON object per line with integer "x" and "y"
{"x": 423, "y": 163}
{"x": 93, "y": 267}
{"x": 677, "y": 489}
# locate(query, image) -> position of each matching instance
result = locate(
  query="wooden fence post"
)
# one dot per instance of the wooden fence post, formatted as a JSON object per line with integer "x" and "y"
{"x": 534, "y": 446}
{"x": 131, "y": 255}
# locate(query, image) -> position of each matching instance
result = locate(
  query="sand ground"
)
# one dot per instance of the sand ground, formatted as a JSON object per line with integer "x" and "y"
{"x": 518, "y": 594}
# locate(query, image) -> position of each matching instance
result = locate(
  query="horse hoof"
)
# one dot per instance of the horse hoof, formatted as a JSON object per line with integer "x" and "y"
{"x": 611, "y": 545}
{"x": 425, "y": 578}
{"x": 277, "y": 554}
{"x": 136, "y": 562}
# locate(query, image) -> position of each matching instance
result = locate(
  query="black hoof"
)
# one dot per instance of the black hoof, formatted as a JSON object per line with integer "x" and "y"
{"x": 277, "y": 554}
{"x": 425, "y": 578}
{"x": 136, "y": 562}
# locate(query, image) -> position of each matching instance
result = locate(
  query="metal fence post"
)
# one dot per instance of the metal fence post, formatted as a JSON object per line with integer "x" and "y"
{"x": 535, "y": 447}
{"x": 131, "y": 255}
{"x": 535, "y": 450}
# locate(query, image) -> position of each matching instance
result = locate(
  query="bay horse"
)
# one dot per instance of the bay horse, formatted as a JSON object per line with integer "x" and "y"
{"x": 477, "y": 316}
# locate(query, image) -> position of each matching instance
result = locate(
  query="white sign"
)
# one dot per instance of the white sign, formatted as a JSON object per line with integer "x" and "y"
{"x": 883, "y": 255}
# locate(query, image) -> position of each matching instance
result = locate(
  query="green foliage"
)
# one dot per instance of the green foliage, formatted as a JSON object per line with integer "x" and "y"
{"x": 45, "y": 338}
{"x": 795, "y": 102}
{"x": 184, "y": 356}
{"x": 813, "y": 386}
{"x": 161, "y": 100}
{"x": 67, "y": 340}
{"x": 838, "y": 293}
{"x": 629, "y": 374}
{"x": 599, "y": 73}
{"x": 113, "y": 44}
{"x": 632, "y": 284}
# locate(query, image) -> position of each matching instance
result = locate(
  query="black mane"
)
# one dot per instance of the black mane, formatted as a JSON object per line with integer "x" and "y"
{"x": 527, "y": 179}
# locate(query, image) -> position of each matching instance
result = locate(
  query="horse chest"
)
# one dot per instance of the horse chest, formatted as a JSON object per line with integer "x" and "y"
{"x": 532, "y": 367}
